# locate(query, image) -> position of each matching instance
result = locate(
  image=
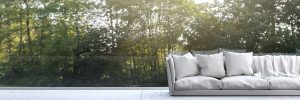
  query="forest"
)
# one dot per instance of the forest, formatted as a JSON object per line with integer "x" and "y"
{"x": 98, "y": 43}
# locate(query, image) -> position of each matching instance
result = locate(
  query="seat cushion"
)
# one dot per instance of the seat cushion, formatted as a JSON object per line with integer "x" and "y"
{"x": 244, "y": 83}
{"x": 198, "y": 83}
{"x": 284, "y": 83}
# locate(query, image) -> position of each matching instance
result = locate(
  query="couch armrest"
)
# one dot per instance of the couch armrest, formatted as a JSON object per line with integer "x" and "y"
{"x": 170, "y": 73}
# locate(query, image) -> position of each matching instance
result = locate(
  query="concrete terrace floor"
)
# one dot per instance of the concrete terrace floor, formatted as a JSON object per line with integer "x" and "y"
{"x": 115, "y": 93}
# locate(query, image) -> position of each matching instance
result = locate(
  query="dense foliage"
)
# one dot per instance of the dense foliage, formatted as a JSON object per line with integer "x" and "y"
{"x": 125, "y": 42}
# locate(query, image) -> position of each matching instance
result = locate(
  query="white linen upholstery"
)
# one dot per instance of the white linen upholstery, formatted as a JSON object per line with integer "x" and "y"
{"x": 274, "y": 75}
{"x": 276, "y": 66}
{"x": 244, "y": 83}
{"x": 284, "y": 83}
{"x": 170, "y": 70}
{"x": 191, "y": 57}
{"x": 238, "y": 63}
{"x": 198, "y": 83}
{"x": 286, "y": 66}
{"x": 211, "y": 65}
{"x": 263, "y": 66}
{"x": 184, "y": 66}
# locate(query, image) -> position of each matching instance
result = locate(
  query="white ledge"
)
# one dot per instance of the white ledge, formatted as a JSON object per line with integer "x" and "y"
{"x": 83, "y": 88}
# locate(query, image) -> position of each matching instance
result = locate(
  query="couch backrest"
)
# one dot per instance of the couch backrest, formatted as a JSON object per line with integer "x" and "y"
{"x": 273, "y": 65}
{"x": 266, "y": 65}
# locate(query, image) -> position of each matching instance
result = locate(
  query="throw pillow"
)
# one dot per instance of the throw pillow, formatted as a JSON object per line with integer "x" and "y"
{"x": 238, "y": 63}
{"x": 211, "y": 65}
{"x": 185, "y": 66}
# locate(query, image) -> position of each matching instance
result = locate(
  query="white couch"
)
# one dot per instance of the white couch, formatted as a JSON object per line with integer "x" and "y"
{"x": 272, "y": 75}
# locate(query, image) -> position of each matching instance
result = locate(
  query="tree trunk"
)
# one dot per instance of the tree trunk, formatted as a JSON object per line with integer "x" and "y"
{"x": 20, "y": 34}
{"x": 28, "y": 28}
{"x": 273, "y": 18}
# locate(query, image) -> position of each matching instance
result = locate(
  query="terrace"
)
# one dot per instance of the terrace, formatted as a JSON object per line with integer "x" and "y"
{"x": 115, "y": 93}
